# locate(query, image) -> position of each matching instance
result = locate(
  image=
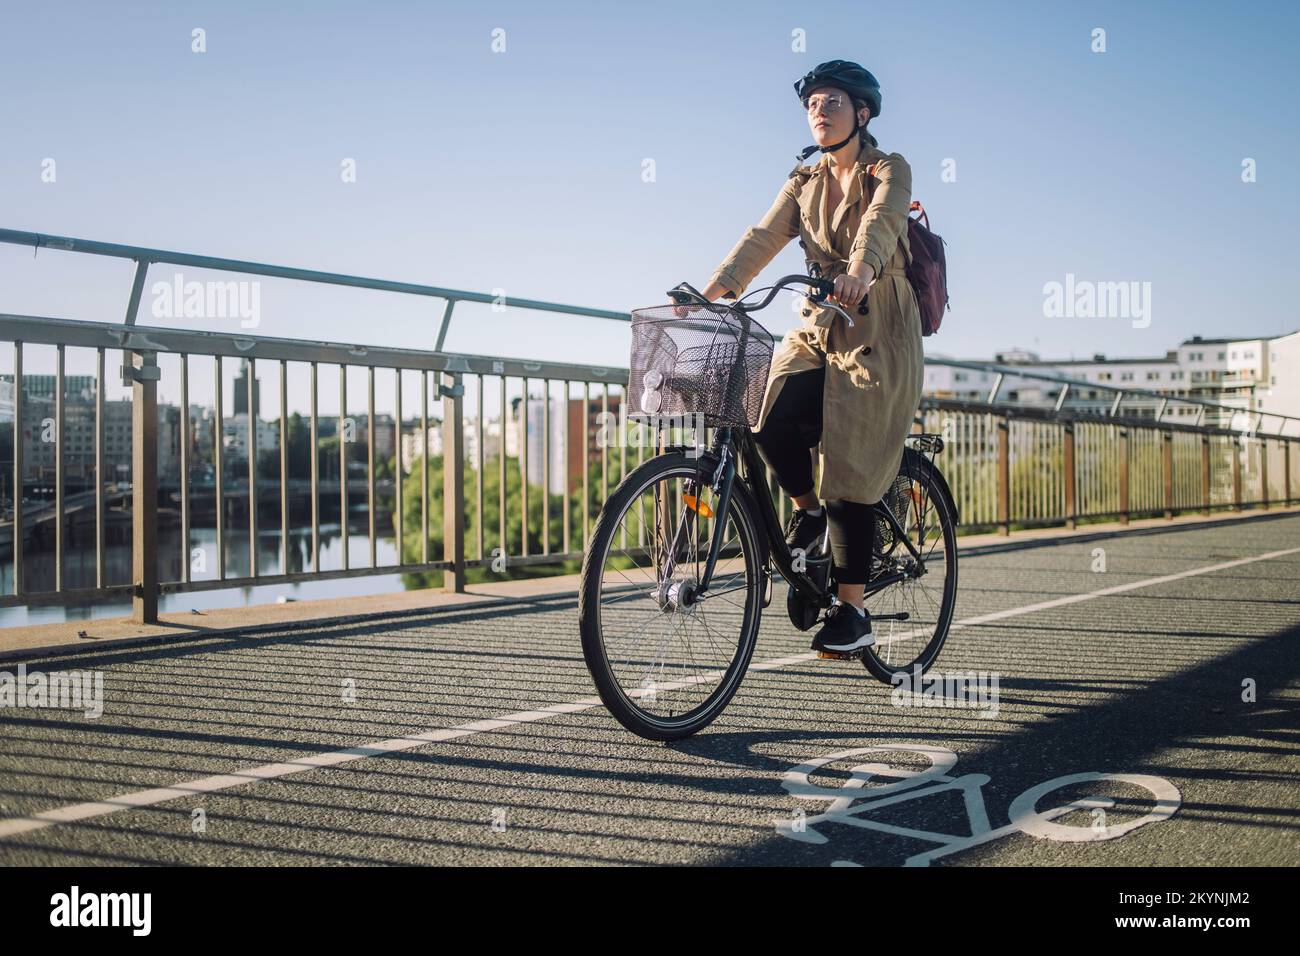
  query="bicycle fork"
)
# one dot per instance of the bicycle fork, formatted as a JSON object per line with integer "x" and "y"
{"x": 683, "y": 593}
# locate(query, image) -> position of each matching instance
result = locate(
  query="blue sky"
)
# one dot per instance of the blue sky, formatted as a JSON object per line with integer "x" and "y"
{"x": 523, "y": 170}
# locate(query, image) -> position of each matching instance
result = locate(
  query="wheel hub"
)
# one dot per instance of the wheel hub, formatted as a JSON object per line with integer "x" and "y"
{"x": 680, "y": 596}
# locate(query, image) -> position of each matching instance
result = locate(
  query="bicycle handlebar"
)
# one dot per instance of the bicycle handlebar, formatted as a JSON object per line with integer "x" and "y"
{"x": 683, "y": 294}
{"x": 821, "y": 289}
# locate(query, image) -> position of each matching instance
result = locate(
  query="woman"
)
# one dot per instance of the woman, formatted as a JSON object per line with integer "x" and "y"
{"x": 852, "y": 390}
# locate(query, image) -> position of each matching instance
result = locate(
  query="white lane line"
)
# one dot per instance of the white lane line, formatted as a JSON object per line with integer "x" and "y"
{"x": 147, "y": 798}
{"x": 1120, "y": 588}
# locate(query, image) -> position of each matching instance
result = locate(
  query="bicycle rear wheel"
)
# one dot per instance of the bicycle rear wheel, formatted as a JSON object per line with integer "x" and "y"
{"x": 665, "y": 656}
{"x": 927, "y": 594}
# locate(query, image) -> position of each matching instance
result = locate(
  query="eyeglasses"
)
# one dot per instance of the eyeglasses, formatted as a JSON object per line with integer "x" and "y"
{"x": 827, "y": 103}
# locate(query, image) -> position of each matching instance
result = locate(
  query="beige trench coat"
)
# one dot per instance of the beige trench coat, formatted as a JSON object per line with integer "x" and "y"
{"x": 876, "y": 368}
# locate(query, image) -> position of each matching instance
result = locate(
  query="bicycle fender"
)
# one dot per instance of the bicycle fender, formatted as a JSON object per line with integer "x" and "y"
{"x": 935, "y": 476}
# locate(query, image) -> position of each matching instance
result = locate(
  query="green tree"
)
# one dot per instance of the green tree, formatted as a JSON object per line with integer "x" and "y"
{"x": 492, "y": 544}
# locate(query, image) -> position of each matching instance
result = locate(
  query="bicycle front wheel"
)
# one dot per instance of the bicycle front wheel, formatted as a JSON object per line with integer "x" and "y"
{"x": 666, "y": 656}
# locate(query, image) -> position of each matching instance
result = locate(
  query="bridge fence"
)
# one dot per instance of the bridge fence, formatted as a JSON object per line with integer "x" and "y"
{"x": 444, "y": 489}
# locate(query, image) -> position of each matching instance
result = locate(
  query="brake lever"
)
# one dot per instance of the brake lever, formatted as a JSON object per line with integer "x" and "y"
{"x": 821, "y": 297}
{"x": 847, "y": 318}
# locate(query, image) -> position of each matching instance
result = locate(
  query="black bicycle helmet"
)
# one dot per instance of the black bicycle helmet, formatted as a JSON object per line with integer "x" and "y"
{"x": 848, "y": 76}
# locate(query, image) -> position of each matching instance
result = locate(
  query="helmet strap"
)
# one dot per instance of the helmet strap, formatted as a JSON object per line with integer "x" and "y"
{"x": 805, "y": 153}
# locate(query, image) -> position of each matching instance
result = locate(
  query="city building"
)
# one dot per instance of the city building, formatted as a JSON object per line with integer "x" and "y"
{"x": 235, "y": 438}
{"x": 1255, "y": 374}
{"x": 536, "y": 428}
{"x": 534, "y": 424}
{"x": 1279, "y": 394}
{"x": 241, "y": 391}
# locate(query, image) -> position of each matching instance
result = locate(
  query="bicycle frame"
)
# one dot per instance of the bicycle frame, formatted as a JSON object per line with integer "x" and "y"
{"x": 731, "y": 444}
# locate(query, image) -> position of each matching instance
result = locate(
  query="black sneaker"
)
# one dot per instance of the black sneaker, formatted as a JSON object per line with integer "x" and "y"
{"x": 805, "y": 530}
{"x": 845, "y": 630}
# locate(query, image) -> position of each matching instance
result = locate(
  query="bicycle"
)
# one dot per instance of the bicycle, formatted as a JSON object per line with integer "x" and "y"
{"x": 677, "y": 666}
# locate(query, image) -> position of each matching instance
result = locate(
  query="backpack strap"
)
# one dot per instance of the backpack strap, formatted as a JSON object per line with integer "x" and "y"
{"x": 923, "y": 218}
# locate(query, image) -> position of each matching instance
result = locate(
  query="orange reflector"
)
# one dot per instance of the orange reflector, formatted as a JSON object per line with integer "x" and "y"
{"x": 700, "y": 507}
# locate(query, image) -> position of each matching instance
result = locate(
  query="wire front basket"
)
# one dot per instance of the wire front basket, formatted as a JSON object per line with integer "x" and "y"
{"x": 710, "y": 361}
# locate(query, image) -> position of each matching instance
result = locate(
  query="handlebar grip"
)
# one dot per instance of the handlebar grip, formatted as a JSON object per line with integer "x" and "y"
{"x": 684, "y": 294}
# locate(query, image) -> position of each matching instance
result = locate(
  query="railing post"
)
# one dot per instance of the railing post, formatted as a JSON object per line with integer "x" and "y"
{"x": 60, "y": 412}
{"x": 343, "y": 431}
{"x": 1286, "y": 471}
{"x": 1123, "y": 476}
{"x": 250, "y": 395}
{"x": 144, "y": 374}
{"x": 219, "y": 464}
{"x": 1205, "y": 474}
{"x": 1263, "y": 473}
{"x": 1068, "y": 466}
{"x": 1004, "y": 476}
{"x": 1236, "y": 473}
{"x": 1168, "y": 468}
{"x": 523, "y": 466}
{"x": 453, "y": 487}
{"x": 18, "y": 470}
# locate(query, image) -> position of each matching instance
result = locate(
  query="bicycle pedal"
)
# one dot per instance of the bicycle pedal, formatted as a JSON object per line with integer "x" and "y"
{"x": 840, "y": 656}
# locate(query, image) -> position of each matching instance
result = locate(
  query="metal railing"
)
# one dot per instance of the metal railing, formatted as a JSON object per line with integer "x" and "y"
{"x": 1008, "y": 465}
{"x": 1030, "y": 467}
{"x": 141, "y": 348}
{"x": 1026, "y": 466}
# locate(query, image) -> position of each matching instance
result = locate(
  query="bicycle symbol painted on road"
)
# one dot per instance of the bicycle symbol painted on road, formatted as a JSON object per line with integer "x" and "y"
{"x": 850, "y": 803}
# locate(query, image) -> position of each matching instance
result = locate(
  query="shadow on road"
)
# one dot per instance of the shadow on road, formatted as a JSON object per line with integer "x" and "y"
{"x": 1198, "y": 709}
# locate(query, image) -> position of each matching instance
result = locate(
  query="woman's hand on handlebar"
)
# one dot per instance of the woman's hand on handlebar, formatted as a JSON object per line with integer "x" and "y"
{"x": 852, "y": 286}
{"x": 711, "y": 292}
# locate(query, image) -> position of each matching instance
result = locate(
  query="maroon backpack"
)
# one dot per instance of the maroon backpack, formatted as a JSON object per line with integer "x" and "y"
{"x": 927, "y": 271}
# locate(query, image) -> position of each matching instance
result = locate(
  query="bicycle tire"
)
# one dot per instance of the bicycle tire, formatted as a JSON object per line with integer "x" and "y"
{"x": 919, "y": 469}
{"x": 595, "y": 652}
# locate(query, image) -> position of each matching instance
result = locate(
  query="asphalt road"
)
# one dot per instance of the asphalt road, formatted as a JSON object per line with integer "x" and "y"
{"x": 474, "y": 736}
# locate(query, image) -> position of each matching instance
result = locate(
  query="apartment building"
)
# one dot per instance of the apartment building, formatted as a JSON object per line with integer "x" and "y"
{"x": 1251, "y": 374}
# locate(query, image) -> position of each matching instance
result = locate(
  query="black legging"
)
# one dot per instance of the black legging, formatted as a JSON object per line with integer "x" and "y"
{"x": 793, "y": 426}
